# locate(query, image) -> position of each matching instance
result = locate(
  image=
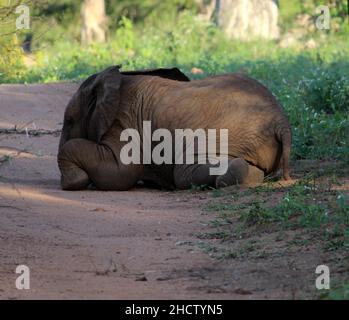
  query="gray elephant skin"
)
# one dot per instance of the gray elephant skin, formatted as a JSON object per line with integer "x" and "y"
{"x": 259, "y": 133}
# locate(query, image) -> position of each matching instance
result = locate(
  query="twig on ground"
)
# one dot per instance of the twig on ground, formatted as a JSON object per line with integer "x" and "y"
{"x": 29, "y": 132}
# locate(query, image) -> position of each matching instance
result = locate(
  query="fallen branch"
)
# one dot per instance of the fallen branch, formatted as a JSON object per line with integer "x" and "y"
{"x": 30, "y": 132}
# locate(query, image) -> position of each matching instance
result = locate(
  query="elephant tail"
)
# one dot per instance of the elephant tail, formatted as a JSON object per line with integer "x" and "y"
{"x": 284, "y": 136}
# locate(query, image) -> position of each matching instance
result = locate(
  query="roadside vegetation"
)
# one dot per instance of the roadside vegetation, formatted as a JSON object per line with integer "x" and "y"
{"x": 304, "y": 221}
{"x": 311, "y": 83}
{"x": 317, "y": 203}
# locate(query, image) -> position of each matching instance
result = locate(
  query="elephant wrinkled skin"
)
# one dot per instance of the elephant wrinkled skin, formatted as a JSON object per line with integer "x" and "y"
{"x": 108, "y": 102}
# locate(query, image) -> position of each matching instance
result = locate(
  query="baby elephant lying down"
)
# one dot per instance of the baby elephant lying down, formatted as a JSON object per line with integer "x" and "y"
{"x": 111, "y": 134}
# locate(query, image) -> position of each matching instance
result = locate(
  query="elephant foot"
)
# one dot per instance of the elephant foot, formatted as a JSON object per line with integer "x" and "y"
{"x": 185, "y": 176}
{"x": 240, "y": 172}
{"x": 83, "y": 162}
{"x": 74, "y": 179}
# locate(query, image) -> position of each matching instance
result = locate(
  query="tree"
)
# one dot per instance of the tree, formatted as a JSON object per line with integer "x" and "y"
{"x": 10, "y": 51}
{"x": 94, "y": 21}
{"x": 244, "y": 19}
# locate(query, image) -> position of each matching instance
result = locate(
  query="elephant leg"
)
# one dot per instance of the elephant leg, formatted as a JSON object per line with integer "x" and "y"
{"x": 73, "y": 176}
{"x": 82, "y": 162}
{"x": 240, "y": 172}
{"x": 187, "y": 175}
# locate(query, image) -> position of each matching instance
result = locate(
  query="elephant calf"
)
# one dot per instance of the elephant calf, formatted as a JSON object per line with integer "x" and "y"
{"x": 108, "y": 103}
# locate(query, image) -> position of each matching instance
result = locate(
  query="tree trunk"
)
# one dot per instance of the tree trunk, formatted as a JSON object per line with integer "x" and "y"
{"x": 244, "y": 19}
{"x": 94, "y": 21}
{"x": 206, "y": 9}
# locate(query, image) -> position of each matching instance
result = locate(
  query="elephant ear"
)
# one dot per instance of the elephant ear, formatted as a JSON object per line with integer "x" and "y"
{"x": 103, "y": 94}
{"x": 173, "y": 73}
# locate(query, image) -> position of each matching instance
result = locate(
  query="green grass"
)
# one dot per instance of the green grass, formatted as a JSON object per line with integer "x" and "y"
{"x": 306, "y": 206}
{"x": 312, "y": 85}
{"x": 339, "y": 293}
{"x": 318, "y": 208}
{"x": 299, "y": 223}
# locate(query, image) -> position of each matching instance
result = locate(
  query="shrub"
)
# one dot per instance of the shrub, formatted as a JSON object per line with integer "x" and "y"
{"x": 11, "y": 66}
{"x": 312, "y": 85}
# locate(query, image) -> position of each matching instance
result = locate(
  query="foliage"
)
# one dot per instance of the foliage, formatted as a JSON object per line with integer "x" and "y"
{"x": 339, "y": 293}
{"x": 10, "y": 53}
{"x": 290, "y": 9}
{"x": 60, "y": 19}
{"x": 307, "y": 206}
{"x": 311, "y": 84}
{"x": 149, "y": 12}
{"x": 315, "y": 212}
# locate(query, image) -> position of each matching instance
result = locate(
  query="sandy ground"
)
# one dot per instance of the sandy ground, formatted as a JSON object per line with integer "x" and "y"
{"x": 89, "y": 244}
{"x": 105, "y": 245}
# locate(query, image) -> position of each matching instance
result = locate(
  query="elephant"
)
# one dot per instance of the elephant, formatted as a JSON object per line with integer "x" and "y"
{"x": 111, "y": 101}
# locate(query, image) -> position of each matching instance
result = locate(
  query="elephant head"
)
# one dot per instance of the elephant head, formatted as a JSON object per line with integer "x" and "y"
{"x": 92, "y": 109}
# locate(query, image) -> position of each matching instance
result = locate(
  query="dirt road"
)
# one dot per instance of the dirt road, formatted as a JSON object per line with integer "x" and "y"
{"x": 113, "y": 245}
{"x": 88, "y": 244}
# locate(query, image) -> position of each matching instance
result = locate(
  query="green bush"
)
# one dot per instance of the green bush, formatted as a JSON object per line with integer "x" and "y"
{"x": 326, "y": 91}
{"x": 312, "y": 85}
{"x": 11, "y": 66}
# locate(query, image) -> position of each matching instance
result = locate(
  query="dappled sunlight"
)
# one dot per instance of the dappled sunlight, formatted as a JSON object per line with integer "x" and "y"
{"x": 13, "y": 152}
{"x": 100, "y": 202}
{"x": 34, "y": 194}
{"x": 341, "y": 185}
{"x": 281, "y": 183}
{"x": 5, "y": 124}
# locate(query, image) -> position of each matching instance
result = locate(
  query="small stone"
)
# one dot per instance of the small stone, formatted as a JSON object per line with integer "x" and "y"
{"x": 142, "y": 278}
